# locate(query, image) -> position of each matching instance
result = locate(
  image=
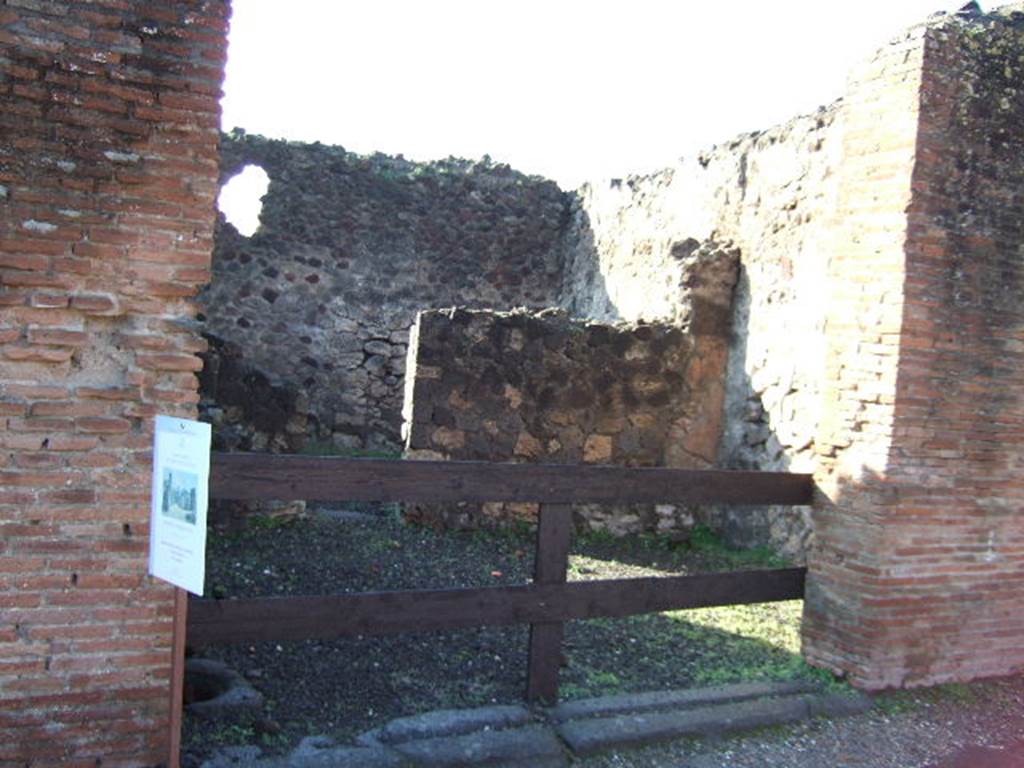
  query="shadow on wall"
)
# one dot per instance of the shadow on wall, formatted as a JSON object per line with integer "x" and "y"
{"x": 755, "y": 435}
{"x": 914, "y": 569}
{"x": 848, "y": 550}
{"x": 249, "y": 412}
{"x": 886, "y": 613}
{"x": 584, "y": 290}
{"x": 750, "y": 442}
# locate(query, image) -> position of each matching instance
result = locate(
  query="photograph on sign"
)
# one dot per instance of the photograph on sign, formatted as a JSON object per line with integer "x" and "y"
{"x": 178, "y": 498}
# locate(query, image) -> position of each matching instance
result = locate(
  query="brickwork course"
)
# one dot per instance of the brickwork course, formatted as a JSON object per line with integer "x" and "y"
{"x": 108, "y": 178}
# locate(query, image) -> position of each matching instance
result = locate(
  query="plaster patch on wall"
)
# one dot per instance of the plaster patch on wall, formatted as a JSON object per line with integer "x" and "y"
{"x": 43, "y": 227}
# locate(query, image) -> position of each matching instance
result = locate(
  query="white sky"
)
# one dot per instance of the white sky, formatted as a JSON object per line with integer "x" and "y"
{"x": 569, "y": 89}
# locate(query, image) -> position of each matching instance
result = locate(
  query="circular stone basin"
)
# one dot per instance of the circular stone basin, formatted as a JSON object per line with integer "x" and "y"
{"x": 213, "y": 689}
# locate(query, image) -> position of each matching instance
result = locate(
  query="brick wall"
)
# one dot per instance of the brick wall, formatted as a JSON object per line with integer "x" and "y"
{"x": 916, "y": 579}
{"x": 108, "y": 174}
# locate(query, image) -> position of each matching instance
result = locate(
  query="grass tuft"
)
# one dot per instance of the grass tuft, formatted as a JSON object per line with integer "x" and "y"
{"x": 704, "y": 541}
{"x": 328, "y": 448}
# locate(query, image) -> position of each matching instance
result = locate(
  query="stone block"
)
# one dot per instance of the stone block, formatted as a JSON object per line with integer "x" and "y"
{"x": 528, "y": 745}
{"x": 452, "y": 722}
{"x": 597, "y": 449}
{"x": 589, "y": 736}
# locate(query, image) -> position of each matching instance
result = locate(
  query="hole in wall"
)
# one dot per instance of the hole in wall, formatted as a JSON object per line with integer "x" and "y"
{"x": 241, "y": 199}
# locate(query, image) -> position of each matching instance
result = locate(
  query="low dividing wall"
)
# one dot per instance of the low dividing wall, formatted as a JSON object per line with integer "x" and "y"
{"x": 519, "y": 386}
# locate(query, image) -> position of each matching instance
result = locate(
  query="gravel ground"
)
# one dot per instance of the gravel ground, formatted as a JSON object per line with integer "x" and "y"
{"x": 906, "y": 730}
{"x": 343, "y": 687}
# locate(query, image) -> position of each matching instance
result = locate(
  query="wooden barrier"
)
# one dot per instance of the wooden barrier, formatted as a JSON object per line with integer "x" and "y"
{"x": 545, "y": 604}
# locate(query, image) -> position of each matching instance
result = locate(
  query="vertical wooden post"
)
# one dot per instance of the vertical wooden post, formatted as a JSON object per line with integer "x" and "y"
{"x": 554, "y": 535}
{"x": 177, "y": 676}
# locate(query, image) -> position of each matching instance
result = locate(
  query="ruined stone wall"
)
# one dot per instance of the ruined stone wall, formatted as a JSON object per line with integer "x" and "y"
{"x": 771, "y": 196}
{"x": 320, "y": 299}
{"x": 916, "y": 577}
{"x": 518, "y": 386}
{"x": 108, "y": 175}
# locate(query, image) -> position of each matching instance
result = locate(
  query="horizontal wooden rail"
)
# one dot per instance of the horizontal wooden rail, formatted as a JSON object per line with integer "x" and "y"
{"x": 544, "y": 604}
{"x": 328, "y": 478}
{"x": 376, "y": 613}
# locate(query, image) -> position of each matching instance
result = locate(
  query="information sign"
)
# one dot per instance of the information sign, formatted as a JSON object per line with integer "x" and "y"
{"x": 181, "y": 476}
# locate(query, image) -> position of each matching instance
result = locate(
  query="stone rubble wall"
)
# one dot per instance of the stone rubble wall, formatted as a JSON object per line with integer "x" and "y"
{"x": 541, "y": 387}
{"x": 771, "y": 195}
{"x": 320, "y": 299}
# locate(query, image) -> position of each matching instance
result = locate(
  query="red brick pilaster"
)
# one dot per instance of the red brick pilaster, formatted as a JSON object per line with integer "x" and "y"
{"x": 920, "y": 534}
{"x": 108, "y": 175}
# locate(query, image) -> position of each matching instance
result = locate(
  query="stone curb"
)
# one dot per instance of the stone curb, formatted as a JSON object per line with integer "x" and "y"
{"x": 598, "y": 734}
{"x": 531, "y": 745}
{"x": 451, "y": 722}
{"x": 510, "y": 736}
{"x": 320, "y": 752}
{"x": 312, "y": 752}
{"x": 685, "y": 698}
{"x": 840, "y": 704}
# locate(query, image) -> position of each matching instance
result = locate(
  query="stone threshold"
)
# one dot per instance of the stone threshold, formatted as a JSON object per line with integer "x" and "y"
{"x": 551, "y": 737}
